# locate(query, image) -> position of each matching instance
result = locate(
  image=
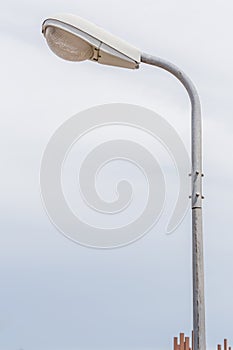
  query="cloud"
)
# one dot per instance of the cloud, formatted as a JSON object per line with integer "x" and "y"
{"x": 55, "y": 293}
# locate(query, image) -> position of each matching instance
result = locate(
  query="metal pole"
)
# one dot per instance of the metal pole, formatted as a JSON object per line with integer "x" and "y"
{"x": 197, "y": 235}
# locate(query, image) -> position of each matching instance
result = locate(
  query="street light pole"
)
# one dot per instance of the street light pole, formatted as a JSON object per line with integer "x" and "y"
{"x": 75, "y": 39}
{"x": 196, "y": 176}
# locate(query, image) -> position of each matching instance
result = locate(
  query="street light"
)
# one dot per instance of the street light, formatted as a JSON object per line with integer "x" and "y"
{"x": 75, "y": 39}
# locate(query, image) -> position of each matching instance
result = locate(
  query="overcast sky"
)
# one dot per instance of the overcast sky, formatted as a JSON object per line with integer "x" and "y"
{"x": 55, "y": 294}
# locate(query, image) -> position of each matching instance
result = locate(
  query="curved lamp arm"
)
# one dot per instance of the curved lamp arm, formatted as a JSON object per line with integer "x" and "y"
{"x": 197, "y": 235}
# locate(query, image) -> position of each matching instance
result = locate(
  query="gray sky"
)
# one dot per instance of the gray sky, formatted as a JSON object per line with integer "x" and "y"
{"x": 56, "y": 294}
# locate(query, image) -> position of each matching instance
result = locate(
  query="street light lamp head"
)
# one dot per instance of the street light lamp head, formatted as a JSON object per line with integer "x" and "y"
{"x": 75, "y": 39}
